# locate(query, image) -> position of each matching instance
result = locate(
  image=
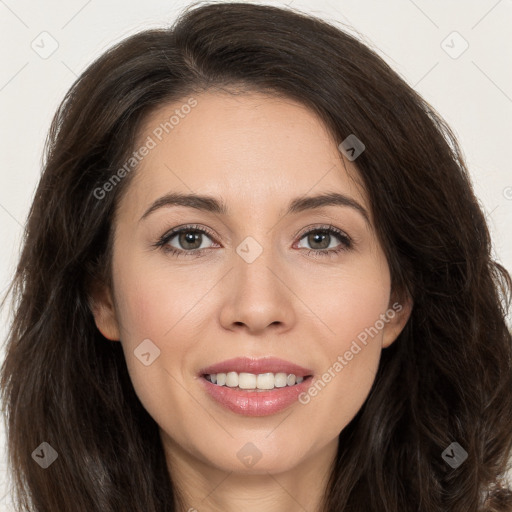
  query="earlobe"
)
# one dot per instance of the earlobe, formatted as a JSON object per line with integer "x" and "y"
{"x": 398, "y": 314}
{"x": 103, "y": 310}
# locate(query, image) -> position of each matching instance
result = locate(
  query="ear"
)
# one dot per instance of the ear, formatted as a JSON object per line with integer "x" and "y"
{"x": 398, "y": 314}
{"x": 103, "y": 310}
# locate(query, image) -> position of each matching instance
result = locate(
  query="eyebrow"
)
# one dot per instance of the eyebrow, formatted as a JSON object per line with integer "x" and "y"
{"x": 213, "y": 205}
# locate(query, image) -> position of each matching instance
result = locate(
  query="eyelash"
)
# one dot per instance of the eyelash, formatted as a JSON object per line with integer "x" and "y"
{"x": 346, "y": 242}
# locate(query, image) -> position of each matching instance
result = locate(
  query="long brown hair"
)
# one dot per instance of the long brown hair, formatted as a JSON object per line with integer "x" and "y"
{"x": 447, "y": 378}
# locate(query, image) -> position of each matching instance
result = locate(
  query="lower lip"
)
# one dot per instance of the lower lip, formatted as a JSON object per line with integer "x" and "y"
{"x": 256, "y": 403}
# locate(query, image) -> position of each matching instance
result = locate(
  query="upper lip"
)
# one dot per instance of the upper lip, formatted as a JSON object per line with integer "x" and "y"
{"x": 256, "y": 366}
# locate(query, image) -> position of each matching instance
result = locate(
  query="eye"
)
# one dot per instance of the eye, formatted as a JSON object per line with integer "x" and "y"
{"x": 187, "y": 240}
{"x": 320, "y": 240}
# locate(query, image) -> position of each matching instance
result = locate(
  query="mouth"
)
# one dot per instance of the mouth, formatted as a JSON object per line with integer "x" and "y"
{"x": 255, "y": 387}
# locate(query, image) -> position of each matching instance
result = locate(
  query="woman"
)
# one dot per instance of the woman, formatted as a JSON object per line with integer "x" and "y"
{"x": 256, "y": 277}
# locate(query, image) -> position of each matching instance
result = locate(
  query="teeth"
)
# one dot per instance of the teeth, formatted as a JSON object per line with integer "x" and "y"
{"x": 262, "y": 381}
{"x": 247, "y": 381}
{"x": 265, "y": 381}
{"x": 280, "y": 380}
{"x": 232, "y": 379}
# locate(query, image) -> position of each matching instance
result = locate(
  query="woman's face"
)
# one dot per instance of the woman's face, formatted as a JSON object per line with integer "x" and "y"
{"x": 263, "y": 281}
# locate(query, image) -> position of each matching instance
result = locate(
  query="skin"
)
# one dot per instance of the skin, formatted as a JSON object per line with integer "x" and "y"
{"x": 257, "y": 153}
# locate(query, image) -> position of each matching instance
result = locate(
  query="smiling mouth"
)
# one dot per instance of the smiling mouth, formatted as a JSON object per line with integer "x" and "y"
{"x": 255, "y": 382}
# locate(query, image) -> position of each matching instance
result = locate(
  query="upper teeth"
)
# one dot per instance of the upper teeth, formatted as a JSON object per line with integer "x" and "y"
{"x": 252, "y": 381}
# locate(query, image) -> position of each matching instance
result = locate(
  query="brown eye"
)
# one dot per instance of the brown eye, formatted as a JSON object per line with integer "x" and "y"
{"x": 320, "y": 241}
{"x": 188, "y": 240}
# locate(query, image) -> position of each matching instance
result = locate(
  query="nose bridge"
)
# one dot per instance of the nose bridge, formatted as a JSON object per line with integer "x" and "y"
{"x": 257, "y": 296}
{"x": 253, "y": 263}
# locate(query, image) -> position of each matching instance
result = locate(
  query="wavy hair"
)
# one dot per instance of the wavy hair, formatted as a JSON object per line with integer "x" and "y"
{"x": 448, "y": 376}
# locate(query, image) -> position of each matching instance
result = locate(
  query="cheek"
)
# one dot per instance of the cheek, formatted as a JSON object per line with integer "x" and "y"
{"x": 352, "y": 311}
{"x": 166, "y": 309}
{"x": 351, "y": 362}
{"x": 156, "y": 303}
{"x": 351, "y": 300}
{"x": 156, "y": 346}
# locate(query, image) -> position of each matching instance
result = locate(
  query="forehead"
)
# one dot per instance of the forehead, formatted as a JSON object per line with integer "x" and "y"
{"x": 253, "y": 150}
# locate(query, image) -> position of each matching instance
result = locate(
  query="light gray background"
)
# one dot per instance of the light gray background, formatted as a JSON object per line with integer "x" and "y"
{"x": 472, "y": 91}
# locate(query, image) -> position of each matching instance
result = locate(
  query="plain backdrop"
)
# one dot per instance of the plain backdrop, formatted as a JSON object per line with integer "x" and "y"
{"x": 455, "y": 53}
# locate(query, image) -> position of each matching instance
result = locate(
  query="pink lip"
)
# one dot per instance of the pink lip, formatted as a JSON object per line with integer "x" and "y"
{"x": 256, "y": 403}
{"x": 261, "y": 365}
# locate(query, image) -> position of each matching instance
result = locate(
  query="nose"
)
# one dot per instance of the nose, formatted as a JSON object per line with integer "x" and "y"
{"x": 259, "y": 296}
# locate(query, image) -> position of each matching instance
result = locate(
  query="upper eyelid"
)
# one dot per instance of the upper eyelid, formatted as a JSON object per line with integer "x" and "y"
{"x": 323, "y": 227}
